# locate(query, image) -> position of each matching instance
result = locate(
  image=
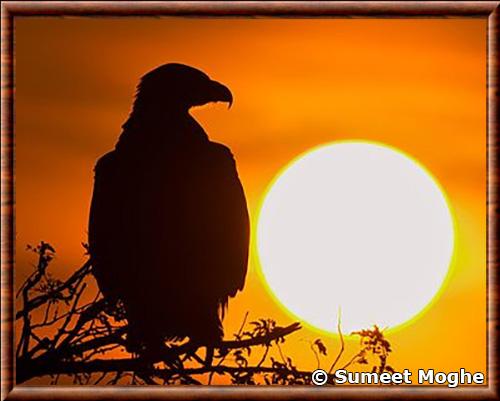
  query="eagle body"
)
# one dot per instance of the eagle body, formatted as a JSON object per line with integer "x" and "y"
{"x": 169, "y": 230}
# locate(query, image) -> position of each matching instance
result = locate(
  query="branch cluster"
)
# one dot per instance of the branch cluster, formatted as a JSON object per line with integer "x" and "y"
{"x": 60, "y": 335}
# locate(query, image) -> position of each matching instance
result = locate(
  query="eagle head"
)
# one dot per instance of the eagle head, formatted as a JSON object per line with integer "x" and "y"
{"x": 179, "y": 87}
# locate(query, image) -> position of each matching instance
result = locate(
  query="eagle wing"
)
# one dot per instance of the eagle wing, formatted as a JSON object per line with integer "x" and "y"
{"x": 105, "y": 225}
{"x": 226, "y": 221}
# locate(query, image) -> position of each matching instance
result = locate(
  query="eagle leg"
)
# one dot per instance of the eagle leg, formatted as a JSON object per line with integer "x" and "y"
{"x": 209, "y": 356}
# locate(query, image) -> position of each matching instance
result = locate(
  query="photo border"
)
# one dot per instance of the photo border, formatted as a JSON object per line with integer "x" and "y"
{"x": 308, "y": 9}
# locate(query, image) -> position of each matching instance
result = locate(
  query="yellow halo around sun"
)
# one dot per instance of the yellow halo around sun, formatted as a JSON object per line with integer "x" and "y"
{"x": 355, "y": 227}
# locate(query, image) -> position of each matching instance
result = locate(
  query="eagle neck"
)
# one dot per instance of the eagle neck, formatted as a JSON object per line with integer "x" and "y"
{"x": 162, "y": 131}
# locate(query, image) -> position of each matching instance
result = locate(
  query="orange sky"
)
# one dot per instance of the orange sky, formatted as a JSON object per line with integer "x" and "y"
{"x": 418, "y": 85}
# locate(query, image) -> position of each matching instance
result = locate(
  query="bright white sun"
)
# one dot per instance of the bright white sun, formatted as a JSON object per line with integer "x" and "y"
{"x": 357, "y": 227}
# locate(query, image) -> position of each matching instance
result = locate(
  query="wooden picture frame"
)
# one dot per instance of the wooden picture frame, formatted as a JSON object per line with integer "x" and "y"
{"x": 329, "y": 9}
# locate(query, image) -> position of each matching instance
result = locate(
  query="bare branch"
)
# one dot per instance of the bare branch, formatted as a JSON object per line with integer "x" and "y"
{"x": 42, "y": 299}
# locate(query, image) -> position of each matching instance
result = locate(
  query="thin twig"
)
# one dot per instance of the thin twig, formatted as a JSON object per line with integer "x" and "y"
{"x": 342, "y": 345}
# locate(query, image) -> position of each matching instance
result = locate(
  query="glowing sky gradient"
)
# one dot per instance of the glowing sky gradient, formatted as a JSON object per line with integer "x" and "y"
{"x": 417, "y": 85}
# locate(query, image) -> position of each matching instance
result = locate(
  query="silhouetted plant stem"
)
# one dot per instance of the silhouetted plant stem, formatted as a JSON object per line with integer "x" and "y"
{"x": 342, "y": 346}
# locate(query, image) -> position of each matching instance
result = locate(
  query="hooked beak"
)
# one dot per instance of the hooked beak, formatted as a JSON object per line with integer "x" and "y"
{"x": 221, "y": 93}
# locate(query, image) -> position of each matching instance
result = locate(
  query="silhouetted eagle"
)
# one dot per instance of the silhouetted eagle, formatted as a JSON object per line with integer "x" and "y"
{"x": 169, "y": 227}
